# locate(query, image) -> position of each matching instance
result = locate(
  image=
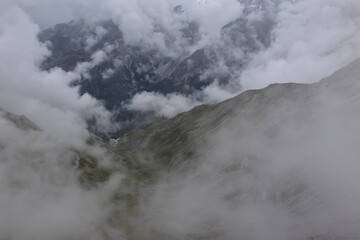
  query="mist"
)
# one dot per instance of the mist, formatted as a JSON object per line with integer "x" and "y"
{"x": 41, "y": 197}
{"x": 313, "y": 38}
{"x": 286, "y": 167}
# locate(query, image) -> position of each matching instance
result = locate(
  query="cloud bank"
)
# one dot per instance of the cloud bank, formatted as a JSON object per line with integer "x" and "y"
{"x": 284, "y": 168}
{"x": 41, "y": 197}
{"x": 309, "y": 41}
{"x": 25, "y": 89}
{"x": 154, "y": 23}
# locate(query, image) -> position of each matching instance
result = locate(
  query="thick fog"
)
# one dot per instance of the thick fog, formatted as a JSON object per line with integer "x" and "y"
{"x": 311, "y": 40}
{"x": 40, "y": 197}
{"x": 285, "y": 168}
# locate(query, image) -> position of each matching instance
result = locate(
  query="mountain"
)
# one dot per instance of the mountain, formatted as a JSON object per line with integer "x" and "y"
{"x": 225, "y": 154}
{"x": 113, "y": 71}
{"x": 279, "y": 162}
{"x": 175, "y": 140}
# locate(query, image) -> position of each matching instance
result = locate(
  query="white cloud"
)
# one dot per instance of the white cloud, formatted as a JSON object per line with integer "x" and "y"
{"x": 167, "y": 106}
{"x": 40, "y": 195}
{"x": 278, "y": 170}
{"x": 99, "y": 34}
{"x": 145, "y": 23}
{"x": 211, "y": 16}
{"x": 215, "y": 93}
{"x": 171, "y": 104}
{"x": 25, "y": 89}
{"x": 83, "y": 68}
{"x": 311, "y": 40}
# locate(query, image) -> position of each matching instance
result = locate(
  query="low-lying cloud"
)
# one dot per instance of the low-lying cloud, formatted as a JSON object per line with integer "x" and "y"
{"x": 154, "y": 24}
{"x": 171, "y": 104}
{"x": 41, "y": 197}
{"x": 309, "y": 41}
{"x": 284, "y": 168}
{"x": 43, "y": 96}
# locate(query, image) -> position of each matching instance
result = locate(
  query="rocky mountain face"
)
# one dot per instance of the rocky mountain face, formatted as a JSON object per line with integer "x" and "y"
{"x": 113, "y": 71}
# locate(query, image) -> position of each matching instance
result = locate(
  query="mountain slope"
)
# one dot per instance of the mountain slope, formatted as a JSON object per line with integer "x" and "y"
{"x": 233, "y": 140}
{"x": 205, "y": 118}
{"x": 282, "y": 159}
